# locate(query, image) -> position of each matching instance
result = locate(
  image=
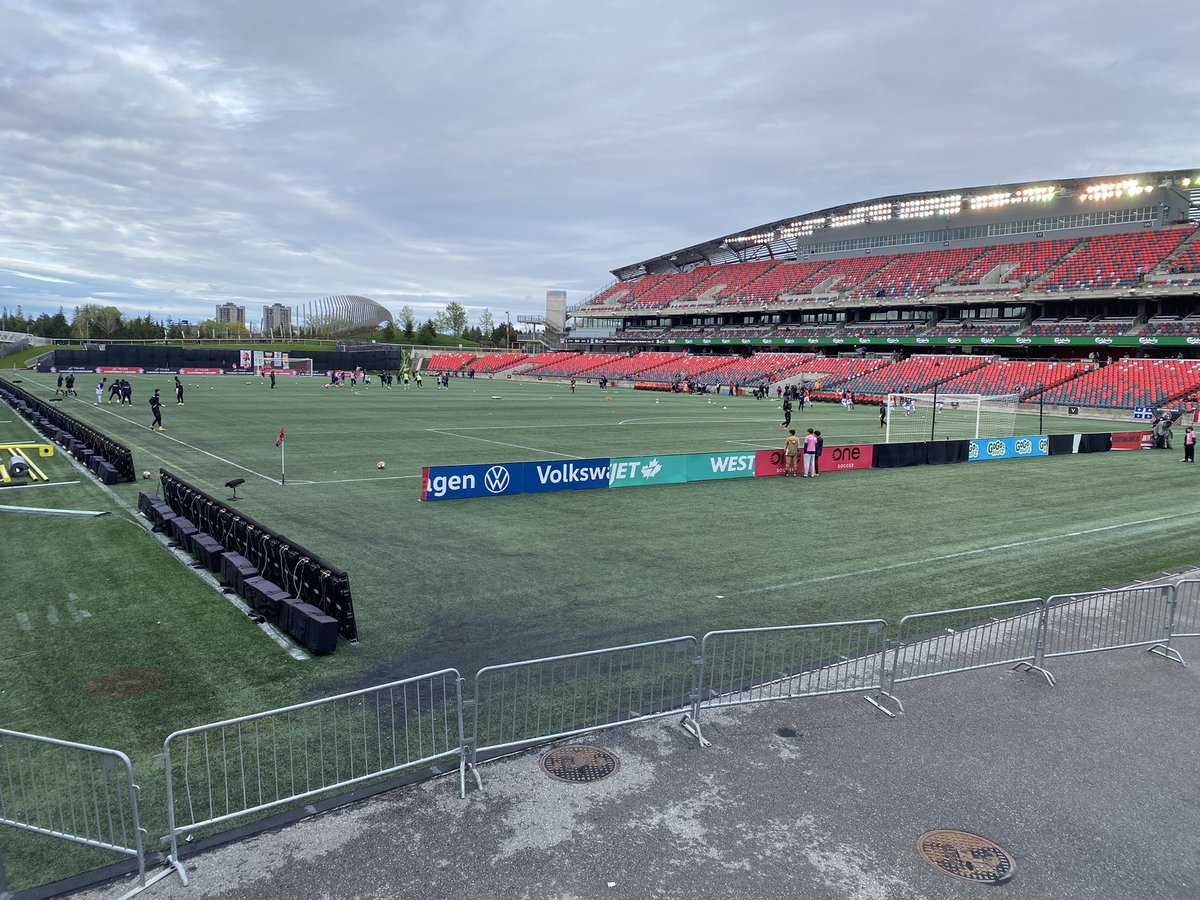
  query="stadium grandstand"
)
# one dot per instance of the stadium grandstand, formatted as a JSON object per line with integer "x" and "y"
{"x": 1077, "y": 292}
{"x": 1108, "y": 261}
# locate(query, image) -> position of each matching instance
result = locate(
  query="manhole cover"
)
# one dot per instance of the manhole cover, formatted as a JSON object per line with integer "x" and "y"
{"x": 578, "y": 764}
{"x": 966, "y": 855}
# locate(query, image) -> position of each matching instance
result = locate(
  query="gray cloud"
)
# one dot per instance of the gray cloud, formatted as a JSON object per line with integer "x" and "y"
{"x": 172, "y": 155}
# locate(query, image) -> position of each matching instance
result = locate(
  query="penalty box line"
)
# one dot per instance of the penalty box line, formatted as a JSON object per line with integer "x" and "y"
{"x": 227, "y": 462}
{"x": 962, "y": 553}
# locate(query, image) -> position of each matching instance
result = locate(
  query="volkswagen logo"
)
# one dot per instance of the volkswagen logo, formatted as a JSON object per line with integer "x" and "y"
{"x": 495, "y": 480}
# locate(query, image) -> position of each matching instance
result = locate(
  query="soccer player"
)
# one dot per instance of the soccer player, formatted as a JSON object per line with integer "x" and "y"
{"x": 787, "y": 413}
{"x": 156, "y": 408}
{"x": 791, "y": 453}
{"x": 882, "y": 413}
{"x": 100, "y": 391}
{"x": 178, "y": 391}
{"x": 70, "y": 385}
{"x": 114, "y": 390}
{"x": 126, "y": 392}
{"x": 59, "y": 388}
{"x": 272, "y": 379}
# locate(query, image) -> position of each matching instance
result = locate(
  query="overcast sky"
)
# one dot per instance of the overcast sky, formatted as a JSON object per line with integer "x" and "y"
{"x": 163, "y": 155}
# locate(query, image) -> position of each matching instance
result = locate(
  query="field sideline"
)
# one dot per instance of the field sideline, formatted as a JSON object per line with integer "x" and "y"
{"x": 478, "y": 582}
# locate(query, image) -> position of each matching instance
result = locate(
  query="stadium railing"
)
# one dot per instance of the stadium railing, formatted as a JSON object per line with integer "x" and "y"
{"x": 76, "y": 792}
{"x": 523, "y": 703}
{"x": 116, "y": 454}
{"x": 753, "y": 665}
{"x": 965, "y": 639}
{"x": 243, "y": 767}
{"x": 1110, "y": 620}
{"x": 240, "y": 767}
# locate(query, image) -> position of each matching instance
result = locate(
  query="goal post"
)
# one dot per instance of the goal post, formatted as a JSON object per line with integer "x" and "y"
{"x": 946, "y": 417}
{"x": 295, "y": 365}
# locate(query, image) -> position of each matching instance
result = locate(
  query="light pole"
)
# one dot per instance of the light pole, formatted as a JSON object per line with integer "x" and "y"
{"x": 508, "y": 331}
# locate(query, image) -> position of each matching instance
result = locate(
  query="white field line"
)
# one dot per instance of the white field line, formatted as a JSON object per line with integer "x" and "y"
{"x": 40, "y": 510}
{"x": 351, "y": 480}
{"x": 40, "y": 484}
{"x": 960, "y": 554}
{"x": 293, "y": 650}
{"x": 504, "y": 443}
{"x": 228, "y": 462}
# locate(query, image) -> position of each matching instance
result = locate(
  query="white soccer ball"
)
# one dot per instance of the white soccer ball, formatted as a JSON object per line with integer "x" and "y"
{"x": 146, "y": 474}
{"x": 380, "y": 464}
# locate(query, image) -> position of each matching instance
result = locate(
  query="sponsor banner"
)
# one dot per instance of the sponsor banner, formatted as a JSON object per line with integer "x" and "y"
{"x": 65, "y": 369}
{"x": 462, "y": 482}
{"x": 845, "y": 458}
{"x": 833, "y": 459}
{"x": 246, "y": 358}
{"x": 119, "y": 370}
{"x": 1132, "y": 440}
{"x": 1008, "y": 448}
{"x": 565, "y": 475}
{"x": 710, "y": 466}
{"x": 201, "y": 371}
{"x": 636, "y": 471}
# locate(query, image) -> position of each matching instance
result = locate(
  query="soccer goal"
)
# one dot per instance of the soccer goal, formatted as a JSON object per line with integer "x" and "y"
{"x": 941, "y": 417}
{"x": 294, "y": 365}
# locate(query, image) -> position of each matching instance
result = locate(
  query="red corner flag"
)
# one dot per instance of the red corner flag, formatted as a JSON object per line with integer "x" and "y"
{"x": 280, "y": 441}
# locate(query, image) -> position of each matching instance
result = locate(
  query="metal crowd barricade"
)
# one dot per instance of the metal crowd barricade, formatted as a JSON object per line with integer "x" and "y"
{"x": 522, "y": 703}
{"x": 749, "y": 665}
{"x": 77, "y": 792}
{"x": 1187, "y": 609}
{"x": 967, "y": 638}
{"x": 1110, "y": 620}
{"x": 238, "y": 767}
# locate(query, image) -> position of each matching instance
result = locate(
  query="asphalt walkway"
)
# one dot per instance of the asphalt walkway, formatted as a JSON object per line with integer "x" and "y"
{"x": 1092, "y": 786}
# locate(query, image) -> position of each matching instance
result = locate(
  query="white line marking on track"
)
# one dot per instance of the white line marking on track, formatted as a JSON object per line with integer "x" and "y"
{"x": 960, "y": 554}
{"x": 52, "y": 614}
{"x": 228, "y": 462}
{"x": 23, "y": 622}
{"x": 688, "y": 420}
{"x": 504, "y": 444}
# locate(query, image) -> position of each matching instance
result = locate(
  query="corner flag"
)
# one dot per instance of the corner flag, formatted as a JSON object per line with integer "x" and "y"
{"x": 280, "y": 441}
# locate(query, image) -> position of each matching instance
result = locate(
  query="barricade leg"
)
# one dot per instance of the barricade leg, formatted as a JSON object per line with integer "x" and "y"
{"x": 1165, "y": 650}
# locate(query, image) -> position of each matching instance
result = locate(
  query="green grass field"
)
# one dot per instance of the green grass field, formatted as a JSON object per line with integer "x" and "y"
{"x": 478, "y": 582}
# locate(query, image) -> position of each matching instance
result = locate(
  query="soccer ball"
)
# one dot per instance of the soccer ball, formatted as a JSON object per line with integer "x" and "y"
{"x": 326, "y": 387}
{"x": 146, "y": 474}
{"x": 379, "y": 465}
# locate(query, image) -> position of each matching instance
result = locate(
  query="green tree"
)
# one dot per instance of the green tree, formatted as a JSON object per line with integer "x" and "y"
{"x": 408, "y": 321}
{"x": 487, "y": 324}
{"x": 427, "y": 333}
{"x": 455, "y": 318}
{"x": 95, "y": 321}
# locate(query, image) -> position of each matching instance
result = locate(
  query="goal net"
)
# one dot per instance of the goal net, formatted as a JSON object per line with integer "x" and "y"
{"x": 942, "y": 417}
{"x": 292, "y": 365}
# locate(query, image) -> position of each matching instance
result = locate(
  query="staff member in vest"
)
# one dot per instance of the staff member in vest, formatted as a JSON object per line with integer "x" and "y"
{"x": 791, "y": 453}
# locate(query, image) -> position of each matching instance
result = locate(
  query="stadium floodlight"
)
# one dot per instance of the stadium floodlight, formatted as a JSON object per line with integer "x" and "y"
{"x": 948, "y": 417}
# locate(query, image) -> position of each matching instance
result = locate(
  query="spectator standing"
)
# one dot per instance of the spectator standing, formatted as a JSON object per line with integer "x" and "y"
{"x": 810, "y": 454}
{"x": 817, "y": 457}
{"x": 1189, "y": 444}
{"x": 791, "y": 453}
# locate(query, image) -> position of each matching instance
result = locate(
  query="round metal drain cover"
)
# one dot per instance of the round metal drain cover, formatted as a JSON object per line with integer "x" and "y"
{"x": 965, "y": 855}
{"x": 579, "y": 763}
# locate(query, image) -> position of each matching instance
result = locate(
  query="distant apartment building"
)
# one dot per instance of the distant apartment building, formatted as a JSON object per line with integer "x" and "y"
{"x": 276, "y": 317}
{"x": 228, "y": 313}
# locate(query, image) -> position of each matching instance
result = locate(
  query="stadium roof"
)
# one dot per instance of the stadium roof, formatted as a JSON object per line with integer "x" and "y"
{"x": 781, "y": 239}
